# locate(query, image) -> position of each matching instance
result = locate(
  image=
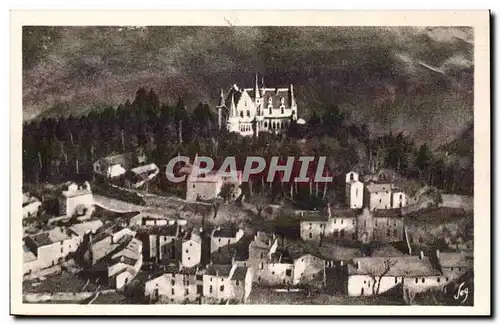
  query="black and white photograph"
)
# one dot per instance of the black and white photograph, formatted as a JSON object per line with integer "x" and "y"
{"x": 235, "y": 164}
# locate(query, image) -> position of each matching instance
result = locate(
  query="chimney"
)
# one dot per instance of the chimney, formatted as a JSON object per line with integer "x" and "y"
{"x": 421, "y": 255}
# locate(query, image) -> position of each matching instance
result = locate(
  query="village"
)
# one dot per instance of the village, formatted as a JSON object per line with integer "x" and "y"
{"x": 375, "y": 241}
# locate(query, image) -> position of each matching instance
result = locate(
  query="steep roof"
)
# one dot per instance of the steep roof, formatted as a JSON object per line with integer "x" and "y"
{"x": 392, "y": 266}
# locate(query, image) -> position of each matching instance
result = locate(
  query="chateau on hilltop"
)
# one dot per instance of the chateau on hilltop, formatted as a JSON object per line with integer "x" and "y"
{"x": 248, "y": 111}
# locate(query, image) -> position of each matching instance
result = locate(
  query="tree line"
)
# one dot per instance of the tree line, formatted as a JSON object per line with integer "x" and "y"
{"x": 64, "y": 148}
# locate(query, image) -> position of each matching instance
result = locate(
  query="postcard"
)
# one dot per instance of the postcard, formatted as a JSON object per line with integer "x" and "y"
{"x": 250, "y": 162}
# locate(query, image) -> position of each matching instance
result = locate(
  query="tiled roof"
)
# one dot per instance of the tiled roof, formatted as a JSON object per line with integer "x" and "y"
{"x": 82, "y": 228}
{"x": 49, "y": 237}
{"x": 144, "y": 169}
{"x": 167, "y": 230}
{"x": 219, "y": 270}
{"x": 387, "y": 213}
{"x": 379, "y": 187}
{"x": 239, "y": 273}
{"x": 455, "y": 259}
{"x": 225, "y": 233}
{"x": 28, "y": 255}
{"x": 343, "y": 213}
{"x": 125, "y": 160}
{"x": 310, "y": 217}
{"x": 393, "y": 266}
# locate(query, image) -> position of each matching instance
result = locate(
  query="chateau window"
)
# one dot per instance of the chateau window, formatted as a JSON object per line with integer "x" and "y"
{"x": 241, "y": 114}
{"x": 310, "y": 236}
{"x": 187, "y": 292}
{"x": 416, "y": 280}
{"x": 248, "y": 113}
{"x": 265, "y": 124}
{"x": 173, "y": 282}
{"x": 282, "y": 109}
{"x": 342, "y": 233}
{"x": 211, "y": 289}
{"x": 221, "y": 288}
{"x": 395, "y": 233}
{"x": 173, "y": 291}
{"x": 423, "y": 280}
{"x": 270, "y": 109}
{"x": 438, "y": 280}
{"x": 288, "y": 272}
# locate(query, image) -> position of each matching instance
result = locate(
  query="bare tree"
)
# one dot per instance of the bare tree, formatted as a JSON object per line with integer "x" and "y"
{"x": 377, "y": 276}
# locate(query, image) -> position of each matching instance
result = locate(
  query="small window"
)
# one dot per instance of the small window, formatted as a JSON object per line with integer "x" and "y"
{"x": 173, "y": 291}
{"x": 423, "y": 280}
{"x": 438, "y": 280}
{"x": 187, "y": 292}
{"x": 261, "y": 266}
{"x": 395, "y": 233}
{"x": 310, "y": 236}
{"x": 288, "y": 272}
{"x": 219, "y": 240}
{"x": 446, "y": 279}
{"x": 272, "y": 272}
{"x": 396, "y": 279}
{"x": 237, "y": 283}
{"x": 62, "y": 250}
{"x": 388, "y": 232}
{"x": 261, "y": 255}
{"x": 416, "y": 280}
{"x": 211, "y": 289}
{"x": 259, "y": 278}
{"x": 187, "y": 251}
{"x": 248, "y": 113}
{"x": 221, "y": 288}
{"x": 241, "y": 114}
{"x": 173, "y": 282}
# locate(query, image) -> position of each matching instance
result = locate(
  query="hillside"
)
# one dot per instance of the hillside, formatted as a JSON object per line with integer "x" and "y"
{"x": 415, "y": 79}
